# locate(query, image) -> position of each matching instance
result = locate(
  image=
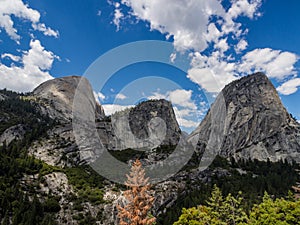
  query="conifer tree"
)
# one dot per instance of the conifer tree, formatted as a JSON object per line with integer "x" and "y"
{"x": 297, "y": 189}
{"x": 139, "y": 201}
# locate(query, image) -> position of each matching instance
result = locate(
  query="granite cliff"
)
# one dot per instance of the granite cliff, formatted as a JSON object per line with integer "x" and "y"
{"x": 254, "y": 123}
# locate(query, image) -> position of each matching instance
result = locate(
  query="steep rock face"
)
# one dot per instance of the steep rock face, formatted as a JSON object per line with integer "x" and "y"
{"x": 255, "y": 123}
{"x": 2, "y": 97}
{"x": 148, "y": 125}
{"x": 155, "y": 117}
{"x": 56, "y": 97}
{"x": 12, "y": 133}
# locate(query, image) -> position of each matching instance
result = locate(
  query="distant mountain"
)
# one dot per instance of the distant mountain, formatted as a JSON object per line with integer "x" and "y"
{"x": 252, "y": 123}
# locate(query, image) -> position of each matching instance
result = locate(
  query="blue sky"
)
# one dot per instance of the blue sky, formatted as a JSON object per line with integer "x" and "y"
{"x": 209, "y": 44}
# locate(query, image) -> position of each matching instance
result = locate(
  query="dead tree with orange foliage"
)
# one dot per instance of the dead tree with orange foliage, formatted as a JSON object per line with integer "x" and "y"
{"x": 138, "y": 199}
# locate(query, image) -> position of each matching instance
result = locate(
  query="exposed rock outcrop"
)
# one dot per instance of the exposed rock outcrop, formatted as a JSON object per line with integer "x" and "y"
{"x": 56, "y": 97}
{"x": 12, "y": 133}
{"x": 255, "y": 124}
{"x": 2, "y": 97}
{"x": 148, "y": 125}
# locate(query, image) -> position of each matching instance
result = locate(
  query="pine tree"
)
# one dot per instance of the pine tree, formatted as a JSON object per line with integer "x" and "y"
{"x": 139, "y": 201}
{"x": 297, "y": 189}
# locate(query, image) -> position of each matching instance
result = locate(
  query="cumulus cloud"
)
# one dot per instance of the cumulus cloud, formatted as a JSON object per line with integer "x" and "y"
{"x": 118, "y": 15}
{"x": 34, "y": 69}
{"x": 46, "y": 30}
{"x": 241, "y": 46}
{"x": 26, "y": 69}
{"x": 193, "y": 29}
{"x": 222, "y": 45}
{"x": 183, "y": 98}
{"x": 17, "y": 8}
{"x": 110, "y": 109}
{"x": 121, "y": 96}
{"x": 276, "y": 63}
{"x": 212, "y": 73}
{"x": 289, "y": 87}
{"x": 215, "y": 37}
{"x": 99, "y": 96}
{"x": 185, "y": 109}
{"x": 187, "y": 123}
{"x": 245, "y": 8}
{"x": 179, "y": 97}
{"x": 184, "y": 20}
{"x": 190, "y": 22}
{"x": 11, "y": 56}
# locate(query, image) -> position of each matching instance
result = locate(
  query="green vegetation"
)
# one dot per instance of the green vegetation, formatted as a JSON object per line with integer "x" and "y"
{"x": 16, "y": 111}
{"x": 88, "y": 185}
{"x": 253, "y": 180}
{"x": 230, "y": 211}
{"x": 18, "y": 201}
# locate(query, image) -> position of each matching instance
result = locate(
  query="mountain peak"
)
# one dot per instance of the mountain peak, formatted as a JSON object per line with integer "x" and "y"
{"x": 57, "y": 96}
{"x": 256, "y": 124}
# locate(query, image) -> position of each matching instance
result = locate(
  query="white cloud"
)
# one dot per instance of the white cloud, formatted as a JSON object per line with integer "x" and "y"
{"x": 173, "y": 57}
{"x": 213, "y": 33}
{"x": 241, "y": 46}
{"x": 275, "y": 63}
{"x": 244, "y": 8}
{"x": 11, "y": 56}
{"x": 185, "y": 109}
{"x": 157, "y": 95}
{"x": 46, "y": 30}
{"x": 289, "y": 87}
{"x": 182, "y": 112}
{"x": 187, "y": 123}
{"x": 212, "y": 73}
{"x": 110, "y": 109}
{"x": 222, "y": 45}
{"x": 36, "y": 63}
{"x": 189, "y": 21}
{"x": 118, "y": 15}
{"x": 99, "y": 96}
{"x": 178, "y": 97}
{"x": 182, "y": 98}
{"x": 205, "y": 28}
{"x": 16, "y": 8}
{"x": 185, "y": 20}
{"x": 121, "y": 96}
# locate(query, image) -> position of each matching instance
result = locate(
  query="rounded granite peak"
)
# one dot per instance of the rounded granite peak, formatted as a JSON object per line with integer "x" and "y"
{"x": 56, "y": 97}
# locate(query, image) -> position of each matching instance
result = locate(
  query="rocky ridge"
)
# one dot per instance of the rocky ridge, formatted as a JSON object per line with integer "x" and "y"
{"x": 256, "y": 124}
